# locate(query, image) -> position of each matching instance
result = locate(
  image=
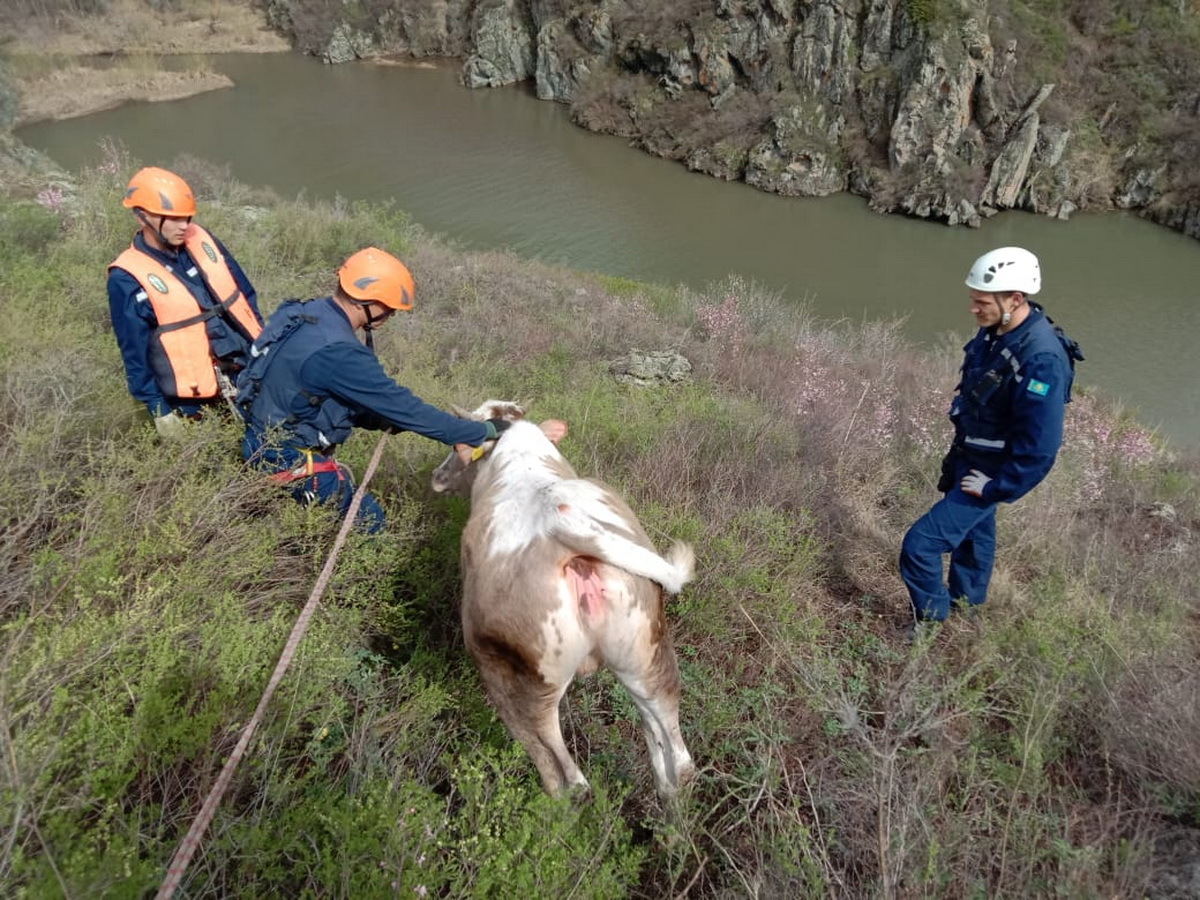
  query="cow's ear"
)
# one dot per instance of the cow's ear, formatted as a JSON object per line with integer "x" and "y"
{"x": 460, "y": 412}
{"x": 464, "y": 453}
{"x": 555, "y": 429}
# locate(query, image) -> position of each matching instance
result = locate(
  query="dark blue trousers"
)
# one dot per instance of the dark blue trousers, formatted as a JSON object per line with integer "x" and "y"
{"x": 337, "y": 488}
{"x": 963, "y": 526}
{"x": 315, "y": 478}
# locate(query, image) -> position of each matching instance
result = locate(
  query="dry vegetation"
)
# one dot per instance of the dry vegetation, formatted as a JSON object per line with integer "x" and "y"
{"x": 67, "y": 28}
{"x": 81, "y": 90}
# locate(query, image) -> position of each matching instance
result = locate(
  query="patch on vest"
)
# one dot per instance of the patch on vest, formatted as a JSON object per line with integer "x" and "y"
{"x": 209, "y": 251}
{"x": 1038, "y": 387}
{"x": 157, "y": 283}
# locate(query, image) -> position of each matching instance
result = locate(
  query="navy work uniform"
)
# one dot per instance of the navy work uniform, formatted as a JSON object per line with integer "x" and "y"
{"x": 1008, "y": 424}
{"x": 309, "y": 383}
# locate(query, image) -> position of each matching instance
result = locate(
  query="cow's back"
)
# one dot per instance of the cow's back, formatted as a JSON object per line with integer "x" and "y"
{"x": 543, "y": 606}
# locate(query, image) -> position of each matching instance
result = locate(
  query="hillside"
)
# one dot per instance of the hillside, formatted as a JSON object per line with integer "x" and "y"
{"x": 1047, "y": 748}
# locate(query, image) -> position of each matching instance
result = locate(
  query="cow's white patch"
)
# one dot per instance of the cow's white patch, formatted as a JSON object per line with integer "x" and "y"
{"x": 523, "y": 475}
{"x": 565, "y": 642}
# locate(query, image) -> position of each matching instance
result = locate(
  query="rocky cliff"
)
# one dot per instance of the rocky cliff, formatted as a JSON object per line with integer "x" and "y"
{"x": 934, "y": 108}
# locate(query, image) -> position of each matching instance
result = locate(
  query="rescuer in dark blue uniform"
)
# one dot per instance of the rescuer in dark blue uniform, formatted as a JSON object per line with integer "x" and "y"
{"x": 1008, "y": 426}
{"x": 310, "y": 382}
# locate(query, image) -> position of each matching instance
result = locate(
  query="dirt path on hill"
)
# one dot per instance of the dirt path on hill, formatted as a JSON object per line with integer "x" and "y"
{"x": 73, "y": 66}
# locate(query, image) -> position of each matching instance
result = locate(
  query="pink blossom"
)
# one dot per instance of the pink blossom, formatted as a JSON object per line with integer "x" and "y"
{"x": 51, "y": 198}
{"x": 1103, "y": 444}
{"x": 724, "y": 323}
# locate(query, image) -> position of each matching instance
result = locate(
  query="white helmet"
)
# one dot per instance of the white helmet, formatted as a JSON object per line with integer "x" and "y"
{"x": 1006, "y": 269}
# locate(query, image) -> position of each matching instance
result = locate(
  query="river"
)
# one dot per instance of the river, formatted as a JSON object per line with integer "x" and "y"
{"x": 500, "y": 169}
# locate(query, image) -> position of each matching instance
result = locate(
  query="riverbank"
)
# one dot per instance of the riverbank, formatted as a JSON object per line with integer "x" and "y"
{"x": 74, "y": 65}
{"x": 79, "y": 90}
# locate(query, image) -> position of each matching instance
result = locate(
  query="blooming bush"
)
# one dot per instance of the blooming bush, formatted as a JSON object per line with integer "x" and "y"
{"x": 1102, "y": 442}
{"x": 723, "y": 323}
{"x": 52, "y": 198}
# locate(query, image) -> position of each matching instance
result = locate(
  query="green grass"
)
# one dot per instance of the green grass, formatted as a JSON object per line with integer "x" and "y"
{"x": 147, "y": 590}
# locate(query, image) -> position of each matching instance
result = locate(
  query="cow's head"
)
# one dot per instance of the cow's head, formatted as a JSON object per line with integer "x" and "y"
{"x": 456, "y": 474}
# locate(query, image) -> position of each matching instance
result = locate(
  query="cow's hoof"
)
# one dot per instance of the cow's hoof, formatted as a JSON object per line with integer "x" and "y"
{"x": 578, "y": 793}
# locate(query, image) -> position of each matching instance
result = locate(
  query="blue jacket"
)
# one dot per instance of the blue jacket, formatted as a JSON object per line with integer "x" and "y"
{"x": 1008, "y": 412}
{"x": 134, "y": 323}
{"x": 310, "y": 381}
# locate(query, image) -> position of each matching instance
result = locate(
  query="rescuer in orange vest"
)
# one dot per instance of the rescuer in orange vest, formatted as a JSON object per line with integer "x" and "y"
{"x": 183, "y": 311}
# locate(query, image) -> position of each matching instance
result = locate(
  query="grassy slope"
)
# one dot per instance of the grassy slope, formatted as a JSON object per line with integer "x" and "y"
{"x": 1048, "y": 749}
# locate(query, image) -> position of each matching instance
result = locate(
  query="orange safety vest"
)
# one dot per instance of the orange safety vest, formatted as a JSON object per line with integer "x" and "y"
{"x": 181, "y": 337}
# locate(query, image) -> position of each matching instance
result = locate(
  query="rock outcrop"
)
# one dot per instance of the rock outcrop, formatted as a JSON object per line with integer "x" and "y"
{"x": 913, "y": 104}
{"x": 645, "y": 368}
{"x": 503, "y": 44}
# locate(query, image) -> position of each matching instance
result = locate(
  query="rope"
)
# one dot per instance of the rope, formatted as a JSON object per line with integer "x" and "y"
{"x": 187, "y": 848}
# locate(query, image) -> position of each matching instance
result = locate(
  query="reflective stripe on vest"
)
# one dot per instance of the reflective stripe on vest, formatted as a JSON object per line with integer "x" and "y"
{"x": 984, "y": 443}
{"x": 1014, "y": 362}
{"x": 181, "y": 331}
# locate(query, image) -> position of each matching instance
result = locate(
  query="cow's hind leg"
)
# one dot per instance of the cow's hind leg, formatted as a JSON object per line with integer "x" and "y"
{"x": 655, "y": 689}
{"x": 528, "y": 706}
{"x": 531, "y": 714}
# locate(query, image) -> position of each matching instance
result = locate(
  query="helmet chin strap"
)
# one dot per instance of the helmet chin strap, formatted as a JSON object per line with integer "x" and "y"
{"x": 369, "y": 327}
{"x": 157, "y": 229}
{"x": 1006, "y": 314}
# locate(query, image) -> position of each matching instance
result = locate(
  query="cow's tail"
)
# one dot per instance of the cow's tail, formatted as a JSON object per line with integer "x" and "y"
{"x": 672, "y": 571}
{"x": 682, "y": 560}
{"x": 595, "y": 528}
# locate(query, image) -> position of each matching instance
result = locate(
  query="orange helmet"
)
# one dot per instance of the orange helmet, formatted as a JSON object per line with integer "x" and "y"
{"x": 374, "y": 275}
{"x": 159, "y": 192}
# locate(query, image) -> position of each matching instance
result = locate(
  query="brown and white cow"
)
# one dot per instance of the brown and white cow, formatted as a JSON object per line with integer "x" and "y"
{"x": 559, "y": 578}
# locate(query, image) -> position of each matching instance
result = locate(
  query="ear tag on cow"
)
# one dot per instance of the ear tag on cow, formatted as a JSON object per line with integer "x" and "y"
{"x": 477, "y": 453}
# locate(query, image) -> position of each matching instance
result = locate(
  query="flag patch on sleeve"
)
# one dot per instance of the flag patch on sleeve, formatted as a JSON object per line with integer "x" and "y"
{"x": 1038, "y": 387}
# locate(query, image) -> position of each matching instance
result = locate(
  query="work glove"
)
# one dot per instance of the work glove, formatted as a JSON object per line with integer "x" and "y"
{"x": 496, "y": 427}
{"x": 974, "y": 482}
{"x": 170, "y": 427}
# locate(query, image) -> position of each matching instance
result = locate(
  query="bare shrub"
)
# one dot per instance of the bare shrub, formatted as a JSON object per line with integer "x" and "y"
{"x": 603, "y": 101}
{"x": 215, "y": 182}
{"x": 692, "y": 123}
{"x": 307, "y": 23}
{"x": 51, "y": 10}
{"x": 533, "y": 305}
{"x": 1150, "y": 722}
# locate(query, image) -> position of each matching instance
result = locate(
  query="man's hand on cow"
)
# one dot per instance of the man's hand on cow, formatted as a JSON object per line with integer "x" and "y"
{"x": 554, "y": 429}
{"x": 974, "y": 482}
{"x": 496, "y": 427}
